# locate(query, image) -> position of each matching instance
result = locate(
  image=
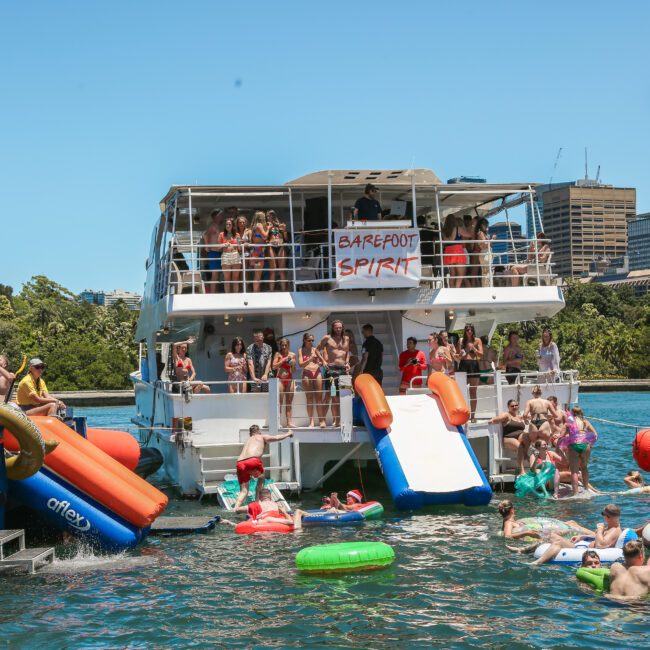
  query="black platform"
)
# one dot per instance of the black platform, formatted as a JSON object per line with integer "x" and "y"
{"x": 184, "y": 525}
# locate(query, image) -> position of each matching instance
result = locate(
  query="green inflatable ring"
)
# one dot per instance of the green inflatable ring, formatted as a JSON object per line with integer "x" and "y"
{"x": 349, "y": 556}
{"x": 598, "y": 579}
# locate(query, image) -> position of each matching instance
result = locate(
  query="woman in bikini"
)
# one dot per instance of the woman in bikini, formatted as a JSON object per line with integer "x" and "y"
{"x": 440, "y": 359}
{"x": 513, "y": 425}
{"x": 470, "y": 351}
{"x": 276, "y": 252}
{"x": 244, "y": 236}
{"x": 184, "y": 368}
{"x": 259, "y": 234}
{"x": 542, "y": 454}
{"x": 580, "y": 436}
{"x": 284, "y": 364}
{"x": 235, "y": 364}
{"x": 230, "y": 257}
{"x": 311, "y": 362}
{"x": 537, "y": 412}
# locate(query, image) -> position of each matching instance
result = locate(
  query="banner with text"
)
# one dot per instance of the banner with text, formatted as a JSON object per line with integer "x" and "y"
{"x": 369, "y": 258}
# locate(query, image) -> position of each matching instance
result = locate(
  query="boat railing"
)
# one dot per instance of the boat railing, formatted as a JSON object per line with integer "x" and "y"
{"x": 311, "y": 264}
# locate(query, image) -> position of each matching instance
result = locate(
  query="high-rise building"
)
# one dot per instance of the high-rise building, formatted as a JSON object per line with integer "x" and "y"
{"x": 638, "y": 236}
{"x": 503, "y": 246}
{"x": 93, "y": 297}
{"x": 538, "y": 207}
{"x": 586, "y": 222}
{"x": 109, "y": 298}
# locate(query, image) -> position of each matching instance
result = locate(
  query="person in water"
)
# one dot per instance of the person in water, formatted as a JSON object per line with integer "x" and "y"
{"x": 541, "y": 455}
{"x": 266, "y": 510}
{"x": 606, "y": 535}
{"x": 249, "y": 463}
{"x": 635, "y": 480}
{"x": 513, "y": 529}
{"x": 631, "y": 579}
{"x": 590, "y": 560}
{"x": 353, "y": 501}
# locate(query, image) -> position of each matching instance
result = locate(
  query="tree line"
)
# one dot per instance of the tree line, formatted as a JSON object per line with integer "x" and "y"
{"x": 602, "y": 332}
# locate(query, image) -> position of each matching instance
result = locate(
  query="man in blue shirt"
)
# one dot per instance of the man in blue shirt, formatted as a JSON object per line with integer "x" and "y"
{"x": 367, "y": 208}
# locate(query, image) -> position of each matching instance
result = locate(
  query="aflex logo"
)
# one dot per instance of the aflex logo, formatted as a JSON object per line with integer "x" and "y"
{"x": 63, "y": 508}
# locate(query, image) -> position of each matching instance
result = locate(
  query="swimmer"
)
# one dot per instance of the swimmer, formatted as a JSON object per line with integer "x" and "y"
{"x": 631, "y": 579}
{"x": 590, "y": 560}
{"x": 510, "y": 524}
{"x": 353, "y": 501}
{"x": 542, "y": 454}
{"x": 634, "y": 481}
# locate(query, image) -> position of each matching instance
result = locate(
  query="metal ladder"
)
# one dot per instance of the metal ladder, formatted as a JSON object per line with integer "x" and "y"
{"x": 28, "y": 558}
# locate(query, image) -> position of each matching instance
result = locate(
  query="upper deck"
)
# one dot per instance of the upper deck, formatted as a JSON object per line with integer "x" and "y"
{"x": 328, "y": 261}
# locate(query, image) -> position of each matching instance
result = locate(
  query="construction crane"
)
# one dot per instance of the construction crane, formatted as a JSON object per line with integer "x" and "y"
{"x": 598, "y": 174}
{"x": 559, "y": 152}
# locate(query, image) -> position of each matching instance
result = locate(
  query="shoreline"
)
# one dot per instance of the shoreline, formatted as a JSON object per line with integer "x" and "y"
{"x": 127, "y": 397}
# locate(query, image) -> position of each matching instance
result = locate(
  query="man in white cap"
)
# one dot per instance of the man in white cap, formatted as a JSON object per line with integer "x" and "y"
{"x": 32, "y": 396}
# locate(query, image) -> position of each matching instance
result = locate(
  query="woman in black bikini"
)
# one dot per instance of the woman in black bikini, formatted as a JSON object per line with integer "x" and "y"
{"x": 513, "y": 425}
{"x": 537, "y": 412}
{"x": 470, "y": 351}
{"x": 311, "y": 362}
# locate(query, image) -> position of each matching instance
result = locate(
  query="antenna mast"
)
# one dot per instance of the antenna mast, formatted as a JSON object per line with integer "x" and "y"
{"x": 586, "y": 168}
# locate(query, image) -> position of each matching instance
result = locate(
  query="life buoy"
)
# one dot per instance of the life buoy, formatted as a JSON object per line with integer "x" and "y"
{"x": 32, "y": 446}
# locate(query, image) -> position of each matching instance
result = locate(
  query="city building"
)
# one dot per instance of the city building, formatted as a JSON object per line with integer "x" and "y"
{"x": 638, "y": 236}
{"x": 502, "y": 248}
{"x": 538, "y": 207}
{"x": 109, "y": 298}
{"x": 586, "y": 222}
{"x": 466, "y": 179}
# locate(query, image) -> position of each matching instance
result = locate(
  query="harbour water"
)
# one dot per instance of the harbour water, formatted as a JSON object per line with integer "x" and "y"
{"x": 453, "y": 584}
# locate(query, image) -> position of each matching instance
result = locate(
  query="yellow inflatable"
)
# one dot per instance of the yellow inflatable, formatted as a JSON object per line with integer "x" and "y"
{"x": 32, "y": 447}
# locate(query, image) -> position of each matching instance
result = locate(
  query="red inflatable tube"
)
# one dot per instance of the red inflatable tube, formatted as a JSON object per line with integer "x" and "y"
{"x": 250, "y": 527}
{"x": 449, "y": 393}
{"x": 89, "y": 469}
{"x": 372, "y": 394}
{"x": 641, "y": 449}
{"x": 120, "y": 445}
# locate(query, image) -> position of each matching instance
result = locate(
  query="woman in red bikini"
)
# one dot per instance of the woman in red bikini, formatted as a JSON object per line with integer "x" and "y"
{"x": 184, "y": 369}
{"x": 311, "y": 362}
{"x": 259, "y": 235}
{"x": 284, "y": 363}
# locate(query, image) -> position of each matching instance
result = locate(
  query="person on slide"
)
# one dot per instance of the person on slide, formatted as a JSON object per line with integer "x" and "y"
{"x": 266, "y": 510}
{"x": 606, "y": 535}
{"x": 249, "y": 463}
{"x": 631, "y": 580}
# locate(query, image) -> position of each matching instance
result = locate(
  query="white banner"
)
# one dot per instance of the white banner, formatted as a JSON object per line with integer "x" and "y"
{"x": 372, "y": 258}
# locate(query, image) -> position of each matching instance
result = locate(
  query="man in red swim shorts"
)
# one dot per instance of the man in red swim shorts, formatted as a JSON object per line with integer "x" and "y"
{"x": 249, "y": 463}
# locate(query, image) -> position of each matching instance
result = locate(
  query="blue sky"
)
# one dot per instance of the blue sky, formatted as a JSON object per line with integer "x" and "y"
{"x": 105, "y": 105}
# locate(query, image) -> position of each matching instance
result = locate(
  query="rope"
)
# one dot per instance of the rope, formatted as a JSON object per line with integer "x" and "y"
{"x": 618, "y": 424}
{"x": 363, "y": 489}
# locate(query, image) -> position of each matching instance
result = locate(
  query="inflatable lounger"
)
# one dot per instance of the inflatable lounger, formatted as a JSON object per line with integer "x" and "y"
{"x": 366, "y": 511}
{"x": 574, "y": 555}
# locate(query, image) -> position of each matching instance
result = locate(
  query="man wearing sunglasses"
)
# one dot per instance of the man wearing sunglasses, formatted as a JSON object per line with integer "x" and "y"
{"x": 32, "y": 396}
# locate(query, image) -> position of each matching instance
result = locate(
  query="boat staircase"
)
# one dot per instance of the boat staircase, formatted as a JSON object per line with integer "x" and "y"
{"x": 218, "y": 463}
{"x": 28, "y": 558}
{"x": 385, "y": 333}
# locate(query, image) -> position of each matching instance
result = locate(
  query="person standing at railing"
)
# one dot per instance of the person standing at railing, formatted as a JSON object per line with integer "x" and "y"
{"x": 259, "y": 363}
{"x": 236, "y": 366}
{"x": 412, "y": 364}
{"x": 367, "y": 208}
{"x": 455, "y": 255}
{"x": 548, "y": 357}
{"x": 311, "y": 362}
{"x": 212, "y": 252}
{"x": 441, "y": 357}
{"x": 276, "y": 252}
{"x": 259, "y": 236}
{"x": 284, "y": 365}
{"x": 483, "y": 249}
{"x": 539, "y": 253}
{"x": 244, "y": 236}
{"x": 335, "y": 348}
{"x": 184, "y": 368}
{"x": 513, "y": 357}
{"x": 230, "y": 258}
{"x": 372, "y": 354}
{"x": 469, "y": 351}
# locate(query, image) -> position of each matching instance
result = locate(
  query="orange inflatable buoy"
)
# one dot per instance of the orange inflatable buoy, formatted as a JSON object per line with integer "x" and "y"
{"x": 372, "y": 394}
{"x": 641, "y": 449}
{"x": 449, "y": 393}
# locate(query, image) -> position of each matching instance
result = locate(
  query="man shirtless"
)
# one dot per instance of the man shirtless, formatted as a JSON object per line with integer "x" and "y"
{"x": 606, "y": 535}
{"x": 213, "y": 254}
{"x": 631, "y": 580}
{"x": 336, "y": 346}
{"x": 249, "y": 463}
{"x": 6, "y": 378}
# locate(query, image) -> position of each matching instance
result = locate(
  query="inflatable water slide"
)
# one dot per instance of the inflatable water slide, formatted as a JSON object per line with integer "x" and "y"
{"x": 419, "y": 440}
{"x": 85, "y": 491}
